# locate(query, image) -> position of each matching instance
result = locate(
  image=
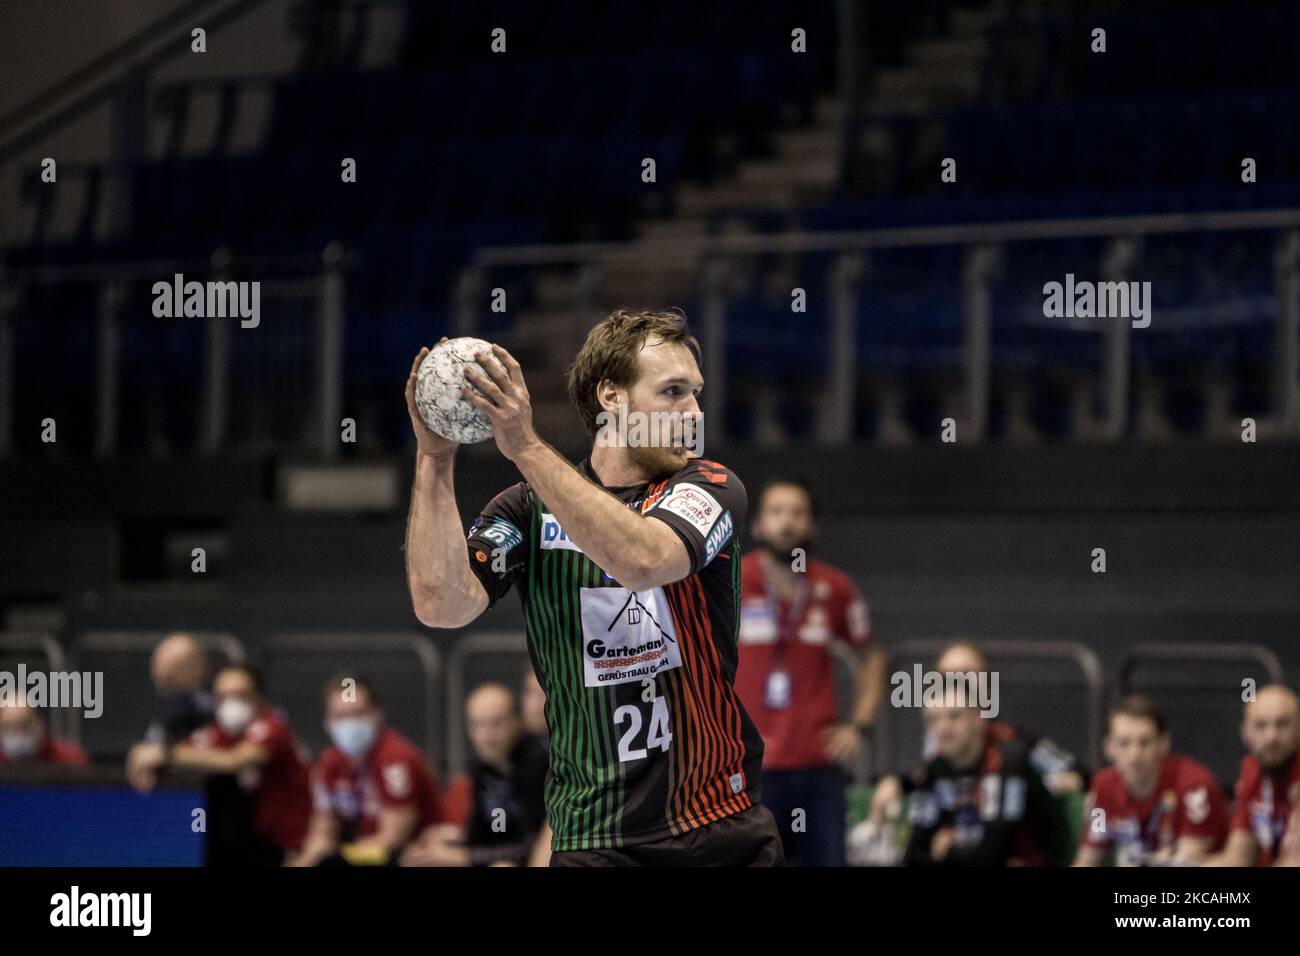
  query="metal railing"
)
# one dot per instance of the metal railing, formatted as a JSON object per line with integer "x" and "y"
{"x": 852, "y": 271}
{"x": 1256, "y": 655}
{"x": 317, "y": 405}
{"x": 1085, "y": 663}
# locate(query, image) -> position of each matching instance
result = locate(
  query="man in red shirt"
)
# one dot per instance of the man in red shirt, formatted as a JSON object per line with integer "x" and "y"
{"x": 791, "y": 608}
{"x": 372, "y": 791}
{"x": 25, "y": 739}
{"x": 1150, "y": 806}
{"x": 251, "y": 740}
{"x": 1266, "y": 818}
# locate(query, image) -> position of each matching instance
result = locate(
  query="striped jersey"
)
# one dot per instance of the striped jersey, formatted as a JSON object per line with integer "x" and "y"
{"x": 648, "y": 737}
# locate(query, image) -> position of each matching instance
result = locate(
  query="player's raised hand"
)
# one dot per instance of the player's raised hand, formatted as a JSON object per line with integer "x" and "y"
{"x": 504, "y": 399}
{"x": 428, "y": 442}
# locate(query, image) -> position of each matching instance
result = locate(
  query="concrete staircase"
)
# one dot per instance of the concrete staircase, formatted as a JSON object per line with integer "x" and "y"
{"x": 802, "y": 169}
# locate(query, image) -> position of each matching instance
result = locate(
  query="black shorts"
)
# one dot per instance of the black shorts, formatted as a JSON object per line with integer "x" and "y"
{"x": 748, "y": 838}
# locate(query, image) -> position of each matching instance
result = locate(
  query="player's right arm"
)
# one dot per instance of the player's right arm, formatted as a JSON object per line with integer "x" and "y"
{"x": 444, "y": 591}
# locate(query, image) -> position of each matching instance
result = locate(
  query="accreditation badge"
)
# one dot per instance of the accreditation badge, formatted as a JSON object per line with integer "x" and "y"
{"x": 778, "y": 691}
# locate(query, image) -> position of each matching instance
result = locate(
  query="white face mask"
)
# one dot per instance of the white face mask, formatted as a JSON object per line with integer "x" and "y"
{"x": 17, "y": 744}
{"x": 354, "y": 735}
{"x": 234, "y": 714}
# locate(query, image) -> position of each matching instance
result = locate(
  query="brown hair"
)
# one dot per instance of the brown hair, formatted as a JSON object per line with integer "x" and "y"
{"x": 610, "y": 353}
{"x": 1140, "y": 708}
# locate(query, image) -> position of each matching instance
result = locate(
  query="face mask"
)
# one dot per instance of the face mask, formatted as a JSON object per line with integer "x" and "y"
{"x": 354, "y": 735}
{"x": 19, "y": 744}
{"x": 234, "y": 714}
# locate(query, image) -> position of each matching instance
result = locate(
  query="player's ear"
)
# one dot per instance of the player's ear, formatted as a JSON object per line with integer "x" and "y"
{"x": 609, "y": 395}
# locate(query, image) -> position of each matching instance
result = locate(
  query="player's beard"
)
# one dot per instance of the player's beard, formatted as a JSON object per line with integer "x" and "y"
{"x": 656, "y": 462}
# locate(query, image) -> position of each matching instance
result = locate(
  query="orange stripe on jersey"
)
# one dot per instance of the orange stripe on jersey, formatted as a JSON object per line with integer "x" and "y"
{"x": 712, "y": 471}
{"x": 655, "y": 493}
{"x": 724, "y": 712}
{"x": 685, "y": 791}
{"x": 703, "y": 796}
{"x": 707, "y": 798}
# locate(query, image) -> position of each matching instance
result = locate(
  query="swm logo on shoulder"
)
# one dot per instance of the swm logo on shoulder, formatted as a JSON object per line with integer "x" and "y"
{"x": 626, "y": 635}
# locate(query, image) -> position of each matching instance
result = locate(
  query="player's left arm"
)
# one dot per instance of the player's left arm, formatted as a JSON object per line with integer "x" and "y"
{"x": 638, "y": 553}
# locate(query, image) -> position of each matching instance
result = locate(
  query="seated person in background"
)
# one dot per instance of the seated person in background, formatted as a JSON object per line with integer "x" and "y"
{"x": 1151, "y": 806}
{"x": 1055, "y": 765}
{"x": 506, "y": 813}
{"x": 980, "y": 801}
{"x": 1265, "y": 828}
{"x": 252, "y": 741}
{"x": 372, "y": 791}
{"x": 179, "y": 669}
{"x": 24, "y": 739}
{"x": 532, "y": 707}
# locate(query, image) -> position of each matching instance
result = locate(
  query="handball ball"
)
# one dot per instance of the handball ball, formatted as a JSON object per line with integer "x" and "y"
{"x": 437, "y": 391}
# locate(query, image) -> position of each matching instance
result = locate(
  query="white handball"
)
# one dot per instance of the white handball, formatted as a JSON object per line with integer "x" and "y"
{"x": 437, "y": 391}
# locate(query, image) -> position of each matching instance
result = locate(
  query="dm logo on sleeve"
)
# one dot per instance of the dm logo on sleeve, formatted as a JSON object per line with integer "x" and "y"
{"x": 553, "y": 536}
{"x": 626, "y": 635}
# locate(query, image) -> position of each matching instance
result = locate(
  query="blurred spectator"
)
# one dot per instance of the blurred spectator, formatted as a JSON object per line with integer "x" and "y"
{"x": 1150, "y": 806}
{"x": 179, "y": 669}
{"x": 507, "y": 811}
{"x": 24, "y": 739}
{"x": 792, "y": 607}
{"x": 1057, "y": 766}
{"x": 532, "y": 707}
{"x": 979, "y": 800}
{"x": 252, "y": 740}
{"x": 1265, "y": 828}
{"x": 372, "y": 791}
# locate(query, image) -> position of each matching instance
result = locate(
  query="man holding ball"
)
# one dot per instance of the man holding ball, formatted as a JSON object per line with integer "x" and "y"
{"x": 628, "y": 567}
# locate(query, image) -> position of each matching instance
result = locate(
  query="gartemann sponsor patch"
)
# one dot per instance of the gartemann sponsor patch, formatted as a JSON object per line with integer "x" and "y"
{"x": 626, "y": 635}
{"x": 694, "y": 504}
